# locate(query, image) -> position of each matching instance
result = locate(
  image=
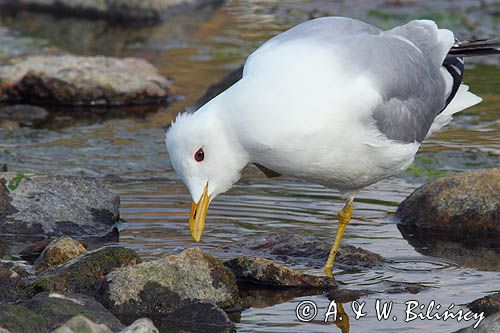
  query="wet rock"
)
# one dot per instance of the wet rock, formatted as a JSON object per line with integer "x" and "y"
{"x": 161, "y": 287}
{"x": 266, "y": 272}
{"x": 77, "y": 80}
{"x": 220, "y": 86}
{"x": 198, "y": 316}
{"x": 142, "y": 325}
{"x": 123, "y": 10}
{"x": 461, "y": 206}
{"x": 82, "y": 324}
{"x": 58, "y": 252}
{"x": 13, "y": 287}
{"x": 17, "y": 318}
{"x": 85, "y": 273}
{"x": 55, "y": 205}
{"x": 352, "y": 257}
{"x": 490, "y": 324}
{"x": 311, "y": 251}
{"x": 58, "y": 308}
{"x": 79, "y": 324}
{"x": 48, "y": 311}
{"x": 23, "y": 115}
{"x": 489, "y": 304}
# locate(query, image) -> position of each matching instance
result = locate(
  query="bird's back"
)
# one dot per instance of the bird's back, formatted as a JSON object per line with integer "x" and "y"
{"x": 402, "y": 65}
{"x": 341, "y": 102}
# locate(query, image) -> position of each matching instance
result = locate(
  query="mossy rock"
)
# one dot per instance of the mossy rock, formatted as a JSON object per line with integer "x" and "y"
{"x": 85, "y": 273}
{"x": 12, "y": 283}
{"x": 489, "y": 304}
{"x": 20, "y": 319}
{"x": 160, "y": 287}
{"x": 47, "y": 311}
{"x": 309, "y": 250}
{"x": 266, "y": 272}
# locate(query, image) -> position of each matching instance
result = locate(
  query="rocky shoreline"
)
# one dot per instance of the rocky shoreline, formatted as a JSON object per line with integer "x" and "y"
{"x": 64, "y": 285}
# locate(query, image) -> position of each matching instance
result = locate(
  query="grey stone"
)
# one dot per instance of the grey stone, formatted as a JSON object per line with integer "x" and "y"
{"x": 17, "y": 318}
{"x": 55, "y": 205}
{"x": 461, "y": 206}
{"x": 78, "y": 80}
{"x": 163, "y": 286}
{"x": 80, "y": 324}
{"x": 143, "y": 325}
{"x": 490, "y": 324}
{"x": 198, "y": 316}
{"x": 309, "y": 250}
{"x": 12, "y": 283}
{"x": 48, "y": 311}
{"x": 266, "y": 272}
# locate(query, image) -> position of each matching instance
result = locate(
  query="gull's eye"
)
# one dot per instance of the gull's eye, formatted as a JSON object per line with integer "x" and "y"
{"x": 199, "y": 155}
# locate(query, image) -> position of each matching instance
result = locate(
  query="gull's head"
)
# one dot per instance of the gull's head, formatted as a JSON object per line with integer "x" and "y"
{"x": 208, "y": 159}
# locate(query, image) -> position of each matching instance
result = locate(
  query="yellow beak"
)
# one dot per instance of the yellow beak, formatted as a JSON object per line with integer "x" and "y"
{"x": 198, "y": 214}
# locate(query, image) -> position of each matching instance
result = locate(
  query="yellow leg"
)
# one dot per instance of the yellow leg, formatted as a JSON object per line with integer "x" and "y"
{"x": 344, "y": 219}
{"x": 342, "y": 321}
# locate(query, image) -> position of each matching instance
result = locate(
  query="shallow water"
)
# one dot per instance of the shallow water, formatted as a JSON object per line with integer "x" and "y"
{"x": 195, "y": 51}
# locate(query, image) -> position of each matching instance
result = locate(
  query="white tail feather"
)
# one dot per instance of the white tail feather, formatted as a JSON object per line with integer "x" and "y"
{"x": 463, "y": 99}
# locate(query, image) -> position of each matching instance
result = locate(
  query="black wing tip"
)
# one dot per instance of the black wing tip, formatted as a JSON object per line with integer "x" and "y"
{"x": 478, "y": 47}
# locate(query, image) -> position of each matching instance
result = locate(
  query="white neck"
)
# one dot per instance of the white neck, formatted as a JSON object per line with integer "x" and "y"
{"x": 217, "y": 115}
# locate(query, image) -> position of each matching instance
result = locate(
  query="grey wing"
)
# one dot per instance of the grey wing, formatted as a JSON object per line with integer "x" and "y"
{"x": 408, "y": 75}
{"x": 404, "y": 63}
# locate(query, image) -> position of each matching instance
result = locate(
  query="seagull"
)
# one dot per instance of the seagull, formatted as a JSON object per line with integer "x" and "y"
{"x": 334, "y": 101}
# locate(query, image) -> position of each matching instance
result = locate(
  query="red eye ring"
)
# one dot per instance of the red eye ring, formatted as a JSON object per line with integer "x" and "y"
{"x": 199, "y": 155}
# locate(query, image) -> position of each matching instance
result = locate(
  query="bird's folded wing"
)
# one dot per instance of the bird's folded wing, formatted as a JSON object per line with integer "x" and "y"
{"x": 403, "y": 66}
